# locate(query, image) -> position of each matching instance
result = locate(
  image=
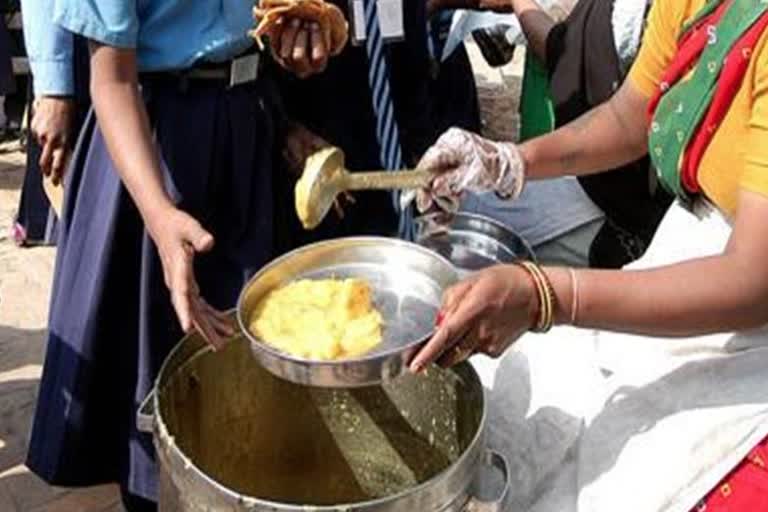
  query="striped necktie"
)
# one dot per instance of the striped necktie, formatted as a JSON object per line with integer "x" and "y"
{"x": 387, "y": 132}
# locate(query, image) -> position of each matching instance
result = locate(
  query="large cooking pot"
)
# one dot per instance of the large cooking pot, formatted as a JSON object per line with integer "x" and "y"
{"x": 231, "y": 437}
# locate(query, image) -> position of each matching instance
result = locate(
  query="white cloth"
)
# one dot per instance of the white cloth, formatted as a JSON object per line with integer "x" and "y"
{"x": 601, "y": 422}
{"x": 628, "y": 20}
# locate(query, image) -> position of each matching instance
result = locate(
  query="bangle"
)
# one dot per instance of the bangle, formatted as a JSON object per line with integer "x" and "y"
{"x": 541, "y": 295}
{"x": 546, "y": 295}
{"x": 574, "y": 296}
{"x": 551, "y": 300}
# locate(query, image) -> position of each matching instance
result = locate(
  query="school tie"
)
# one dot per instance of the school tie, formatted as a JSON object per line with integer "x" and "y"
{"x": 387, "y": 133}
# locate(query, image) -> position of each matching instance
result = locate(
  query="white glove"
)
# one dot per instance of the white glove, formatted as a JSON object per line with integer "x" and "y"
{"x": 463, "y": 161}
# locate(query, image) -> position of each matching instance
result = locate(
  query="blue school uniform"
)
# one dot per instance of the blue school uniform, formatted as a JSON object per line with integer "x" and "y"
{"x": 111, "y": 322}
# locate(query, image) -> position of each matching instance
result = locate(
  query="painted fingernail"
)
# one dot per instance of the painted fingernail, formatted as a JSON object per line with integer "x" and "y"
{"x": 439, "y": 319}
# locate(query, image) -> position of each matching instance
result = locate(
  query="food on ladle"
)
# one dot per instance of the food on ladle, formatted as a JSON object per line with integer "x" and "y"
{"x": 323, "y": 319}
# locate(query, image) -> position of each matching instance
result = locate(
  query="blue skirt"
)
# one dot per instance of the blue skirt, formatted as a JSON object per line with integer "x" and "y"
{"x": 111, "y": 322}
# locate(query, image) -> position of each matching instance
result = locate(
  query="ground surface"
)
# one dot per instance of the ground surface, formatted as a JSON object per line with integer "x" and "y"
{"x": 25, "y": 278}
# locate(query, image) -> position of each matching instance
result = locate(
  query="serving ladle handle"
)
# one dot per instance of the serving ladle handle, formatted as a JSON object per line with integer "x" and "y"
{"x": 325, "y": 176}
{"x": 387, "y": 180}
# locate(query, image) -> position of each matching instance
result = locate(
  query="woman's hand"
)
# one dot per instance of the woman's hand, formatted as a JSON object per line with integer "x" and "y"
{"x": 463, "y": 161}
{"x": 179, "y": 237}
{"x": 299, "y": 46}
{"x": 484, "y": 314}
{"x": 52, "y": 128}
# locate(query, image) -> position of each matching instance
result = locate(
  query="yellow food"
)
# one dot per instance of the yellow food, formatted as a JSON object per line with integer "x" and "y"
{"x": 302, "y": 203}
{"x": 319, "y": 319}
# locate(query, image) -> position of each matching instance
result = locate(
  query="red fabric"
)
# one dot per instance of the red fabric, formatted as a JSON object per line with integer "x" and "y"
{"x": 728, "y": 86}
{"x": 745, "y": 489}
{"x": 689, "y": 51}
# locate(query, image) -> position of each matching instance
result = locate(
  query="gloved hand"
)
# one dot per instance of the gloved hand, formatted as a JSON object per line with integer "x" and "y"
{"x": 463, "y": 161}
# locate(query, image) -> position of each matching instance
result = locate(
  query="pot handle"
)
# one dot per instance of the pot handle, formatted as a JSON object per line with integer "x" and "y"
{"x": 499, "y": 462}
{"x": 145, "y": 416}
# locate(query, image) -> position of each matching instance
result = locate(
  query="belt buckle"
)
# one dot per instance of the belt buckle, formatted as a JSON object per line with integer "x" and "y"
{"x": 244, "y": 69}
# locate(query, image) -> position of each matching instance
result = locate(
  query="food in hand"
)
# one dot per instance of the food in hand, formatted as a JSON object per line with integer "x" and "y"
{"x": 324, "y": 319}
{"x": 331, "y": 20}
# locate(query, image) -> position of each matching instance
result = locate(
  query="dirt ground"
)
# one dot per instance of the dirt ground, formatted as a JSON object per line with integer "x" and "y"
{"x": 25, "y": 279}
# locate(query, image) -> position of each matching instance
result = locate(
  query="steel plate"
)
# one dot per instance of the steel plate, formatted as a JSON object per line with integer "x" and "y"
{"x": 407, "y": 282}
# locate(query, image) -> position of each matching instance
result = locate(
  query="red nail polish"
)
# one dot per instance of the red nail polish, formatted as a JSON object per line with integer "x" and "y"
{"x": 439, "y": 319}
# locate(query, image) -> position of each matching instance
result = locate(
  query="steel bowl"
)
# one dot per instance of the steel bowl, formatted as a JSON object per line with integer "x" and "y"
{"x": 470, "y": 241}
{"x": 407, "y": 282}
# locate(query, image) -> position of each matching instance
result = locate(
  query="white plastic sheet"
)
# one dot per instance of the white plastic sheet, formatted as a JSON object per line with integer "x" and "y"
{"x": 465, "y": 22}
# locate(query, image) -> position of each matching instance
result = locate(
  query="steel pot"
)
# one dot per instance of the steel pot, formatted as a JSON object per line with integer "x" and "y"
{"x": 471, "y": 241}
{"x": 232, "y": 437}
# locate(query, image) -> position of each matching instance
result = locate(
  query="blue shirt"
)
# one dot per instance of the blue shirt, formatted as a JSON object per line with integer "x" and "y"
{"x": 49, "y": 50}
{"x": 166, "y": 34}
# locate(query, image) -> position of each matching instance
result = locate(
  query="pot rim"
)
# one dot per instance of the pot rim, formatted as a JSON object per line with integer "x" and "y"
{"x": 161, "y": 434}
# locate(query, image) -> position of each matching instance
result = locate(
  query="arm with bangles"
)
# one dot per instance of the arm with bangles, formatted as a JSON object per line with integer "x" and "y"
{"x": 721, "y": 293}
{"x": 672, "y": 300}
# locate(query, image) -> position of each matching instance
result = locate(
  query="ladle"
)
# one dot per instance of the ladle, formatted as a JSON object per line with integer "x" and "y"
{"x": 326, "y": 176}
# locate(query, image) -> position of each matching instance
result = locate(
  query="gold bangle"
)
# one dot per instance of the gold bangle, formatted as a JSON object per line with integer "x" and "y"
{"x": 544, "y": 299}
{"x": 551, "y": 298}
{"x": 546, "y": 295}
{"x": 539, "y": 295}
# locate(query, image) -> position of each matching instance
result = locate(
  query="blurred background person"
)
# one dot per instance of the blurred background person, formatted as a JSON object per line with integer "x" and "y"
{"x": 338, "y": 107}
{"x": 605, "y": 220}
{"x": 58, "y": 103}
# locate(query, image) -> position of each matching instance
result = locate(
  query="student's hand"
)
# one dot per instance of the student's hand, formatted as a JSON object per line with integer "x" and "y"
{"x": 179, "y": 237}
{"x": 485, "y": 313}
{"x": 299, "y": 46}
{"x": 462, "y": 161}
{"x": 300, "y": 143}
{"x": 51, "y": 125}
